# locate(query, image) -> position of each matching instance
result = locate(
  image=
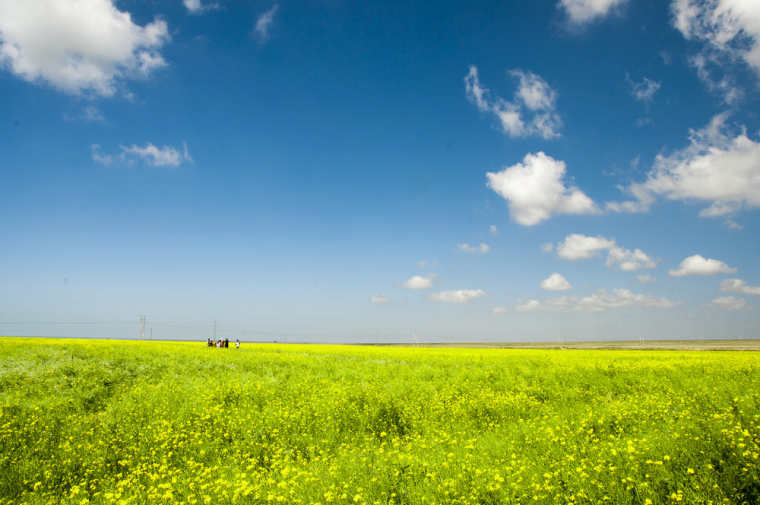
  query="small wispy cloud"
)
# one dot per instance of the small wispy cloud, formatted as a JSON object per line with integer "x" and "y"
{"x": 582, "y": 12}
{"x": 99, "y": 157}
{"x": 600, "y": 301}
{"x": 644, "y": 90}
{"x": 264, "y": 23}
{"x": 730, "y": 302}
{"x": 457, "y": 296}
{"x": 164, "y": 156}
{"x": 198, "y": 7}
{"x": 482, "y": 248}
{"x": 379, "y": 300}
{"x": 533, "y": 110}
{"x": 739, "y": 286}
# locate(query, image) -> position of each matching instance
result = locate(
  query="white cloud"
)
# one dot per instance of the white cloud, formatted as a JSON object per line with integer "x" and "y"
{"x": 580, "y": 247}
{"x": 730, "y": 302}
{"x": 457, "y": 296}
{"x": 627, "y": 260}
{"x": 418, "y": 282}
{"x": 643, "y": 91}
{"x": 379, "y": 300}
{"x": 264, "y": 23}
{"x": 723, "y": 84}
{"x": 577, "y": 247}
{"x": 99, "y": 157}
{"x": 494, "y": 230}
{"x": 77, "y": 47}
{"x": 599, "y": 301}
{"x": 198, "y": 7}
{"x": 532, "y": 111}
{"x": 733, "y": 225}
{"x": 739, "y": 286}
{"x": 730, "y": 29}
{"x": 528, "y": 306}
{"x": 482, "y": 248}
{"x": 165, "y": 156}
{"x": 699, "y": 265}
{"x": 498, "y": 310}
{"x": 646, "y": 278}
{"x": 534, "y": 92}
{"x": 555, "y": 282}
{"x": 535, "y": 190}
{"x": 584, "y": 11}
{"x": 717, "y": 168}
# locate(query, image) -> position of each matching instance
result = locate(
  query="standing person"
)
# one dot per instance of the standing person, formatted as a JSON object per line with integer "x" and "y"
{"x": 237, "y": 344}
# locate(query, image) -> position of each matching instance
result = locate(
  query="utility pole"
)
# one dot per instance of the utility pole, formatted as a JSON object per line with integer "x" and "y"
{"x": 151, "y": 333}
{"x": 142, "y": 327}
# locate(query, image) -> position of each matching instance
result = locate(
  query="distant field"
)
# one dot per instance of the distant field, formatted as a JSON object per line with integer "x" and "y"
{"x": 676, "y": 345}
{"x": 130, "y": 422}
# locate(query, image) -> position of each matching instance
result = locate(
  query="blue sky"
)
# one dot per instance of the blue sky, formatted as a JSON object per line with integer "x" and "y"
{"x": 327, "y": 170}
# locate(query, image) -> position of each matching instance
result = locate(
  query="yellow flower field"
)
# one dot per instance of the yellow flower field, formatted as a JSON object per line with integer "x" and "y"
{"x": 119, "y": 422}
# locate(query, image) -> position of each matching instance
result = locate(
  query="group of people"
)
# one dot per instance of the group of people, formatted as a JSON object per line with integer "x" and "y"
{"x": 221, "y": 343}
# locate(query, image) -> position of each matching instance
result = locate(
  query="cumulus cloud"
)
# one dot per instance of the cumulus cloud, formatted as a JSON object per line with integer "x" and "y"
{"x": 264, "y": 23}
{"x": 87, "y": 46}
{"x": 730, "y": 302}
{"x": 739, "y": 286}
{"x": 555, "y": 282}
{"x": 418, "y": 282}
{"x": 482, "y": 248}
{"x": 627, "y": 260}
{"x": 379, "y": 300}
{"x": 581, "y": 12}
{"x": 165, "y": 156}
{"x": 531, "y": 112}
{"x": 643, "y": 91}
{"x": 729, "y": 31}
{"x": 578, "y": 247}
{"x": 457, "y": 296}
{"x": 646, "y": 278}
{"x": 198, "y": 7}
{"x": 718, "y": 168}
{"x": 599, "y": 301}
{"x": 535, "y": 190}
{"x": 699, "y": 265}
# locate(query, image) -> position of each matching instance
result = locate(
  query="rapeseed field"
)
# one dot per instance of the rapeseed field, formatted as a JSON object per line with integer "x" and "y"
{"x": 146, "y": 422}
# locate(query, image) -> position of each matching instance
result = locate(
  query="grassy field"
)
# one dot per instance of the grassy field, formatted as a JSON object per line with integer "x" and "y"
{"x": 147, "y": 422}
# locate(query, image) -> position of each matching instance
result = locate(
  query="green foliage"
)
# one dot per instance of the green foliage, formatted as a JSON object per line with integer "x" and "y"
{"x": 146, "y": 422}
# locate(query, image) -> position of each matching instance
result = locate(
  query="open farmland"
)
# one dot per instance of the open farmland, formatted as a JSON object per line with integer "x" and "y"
{"x": 147, "y": 422}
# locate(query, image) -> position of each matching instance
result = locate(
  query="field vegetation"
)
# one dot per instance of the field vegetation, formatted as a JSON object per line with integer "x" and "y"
{"x": 146, "y": 422}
